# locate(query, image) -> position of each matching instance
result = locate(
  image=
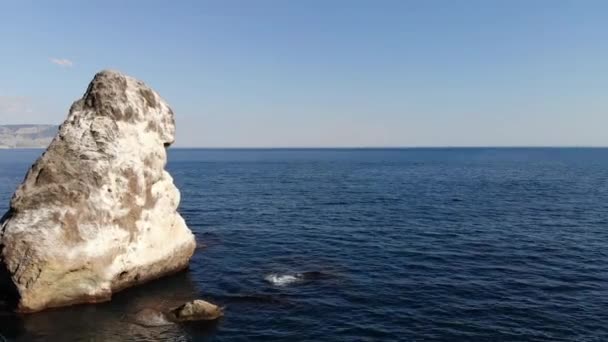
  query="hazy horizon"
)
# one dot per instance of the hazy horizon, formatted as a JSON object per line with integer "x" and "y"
{"x": 240, "y": 74}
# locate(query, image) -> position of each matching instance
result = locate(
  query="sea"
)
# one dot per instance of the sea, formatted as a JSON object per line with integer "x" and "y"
{"x": 421, "y": 244}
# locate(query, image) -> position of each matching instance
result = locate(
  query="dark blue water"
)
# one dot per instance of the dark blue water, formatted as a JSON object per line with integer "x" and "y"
{"x": 404, "y": 244}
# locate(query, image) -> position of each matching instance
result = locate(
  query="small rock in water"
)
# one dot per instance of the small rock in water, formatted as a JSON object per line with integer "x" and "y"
{"x": 197, "y": 310}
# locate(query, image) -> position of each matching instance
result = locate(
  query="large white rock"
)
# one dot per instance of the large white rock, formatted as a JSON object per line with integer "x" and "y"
{"x": 97, "y": 212}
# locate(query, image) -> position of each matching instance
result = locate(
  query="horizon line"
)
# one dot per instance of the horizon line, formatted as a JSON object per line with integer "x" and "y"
{"x": 360, "y": 147}
{"x": 379, "y": 147}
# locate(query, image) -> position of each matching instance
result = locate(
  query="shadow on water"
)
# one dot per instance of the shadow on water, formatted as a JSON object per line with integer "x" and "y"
{"x": 112, "y": 321}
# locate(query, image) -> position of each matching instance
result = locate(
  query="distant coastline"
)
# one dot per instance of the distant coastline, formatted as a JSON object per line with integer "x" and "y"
{"x": 26, "y": 136}
{"x": 33, "y": 136}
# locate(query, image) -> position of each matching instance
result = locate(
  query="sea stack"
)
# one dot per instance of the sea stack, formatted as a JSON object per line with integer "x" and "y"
{"x": 97, "y": 212}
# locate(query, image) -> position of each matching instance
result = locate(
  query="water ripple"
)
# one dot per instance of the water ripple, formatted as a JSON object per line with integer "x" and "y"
{"x": 413, "y": 245}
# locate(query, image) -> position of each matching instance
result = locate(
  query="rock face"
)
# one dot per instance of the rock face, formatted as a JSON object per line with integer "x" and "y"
{"x": 97, "y": 212}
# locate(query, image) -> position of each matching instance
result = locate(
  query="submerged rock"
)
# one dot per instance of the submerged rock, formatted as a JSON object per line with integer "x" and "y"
{"x": 196, "y": 310}
{"x": 97, "y": 212}
{"x": 151, "y": 318}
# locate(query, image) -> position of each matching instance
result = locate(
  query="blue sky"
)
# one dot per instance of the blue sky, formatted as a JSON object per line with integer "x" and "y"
{"x": 261, "y": 73}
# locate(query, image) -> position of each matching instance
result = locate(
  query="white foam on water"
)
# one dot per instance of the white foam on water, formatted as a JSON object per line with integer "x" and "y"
{"x": 282, "y": 279}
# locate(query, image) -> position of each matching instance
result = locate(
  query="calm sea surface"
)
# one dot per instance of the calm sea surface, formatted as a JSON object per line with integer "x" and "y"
{"x": 372, "y": 245}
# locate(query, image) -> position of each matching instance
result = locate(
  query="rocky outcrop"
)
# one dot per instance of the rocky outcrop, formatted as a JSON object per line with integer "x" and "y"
{"x": 97, "y": 212}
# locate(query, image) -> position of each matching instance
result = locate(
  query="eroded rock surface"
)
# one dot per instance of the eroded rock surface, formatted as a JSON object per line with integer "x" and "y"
{"x": 97, "y": 212}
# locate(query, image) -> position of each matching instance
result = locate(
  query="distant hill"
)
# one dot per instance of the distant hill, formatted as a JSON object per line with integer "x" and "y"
{"x": 26, "y": 136}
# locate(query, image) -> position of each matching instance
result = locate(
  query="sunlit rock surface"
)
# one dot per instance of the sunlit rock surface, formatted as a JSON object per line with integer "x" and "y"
{"x": 97, "y": 212}
{"x": 196, "y": 310}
